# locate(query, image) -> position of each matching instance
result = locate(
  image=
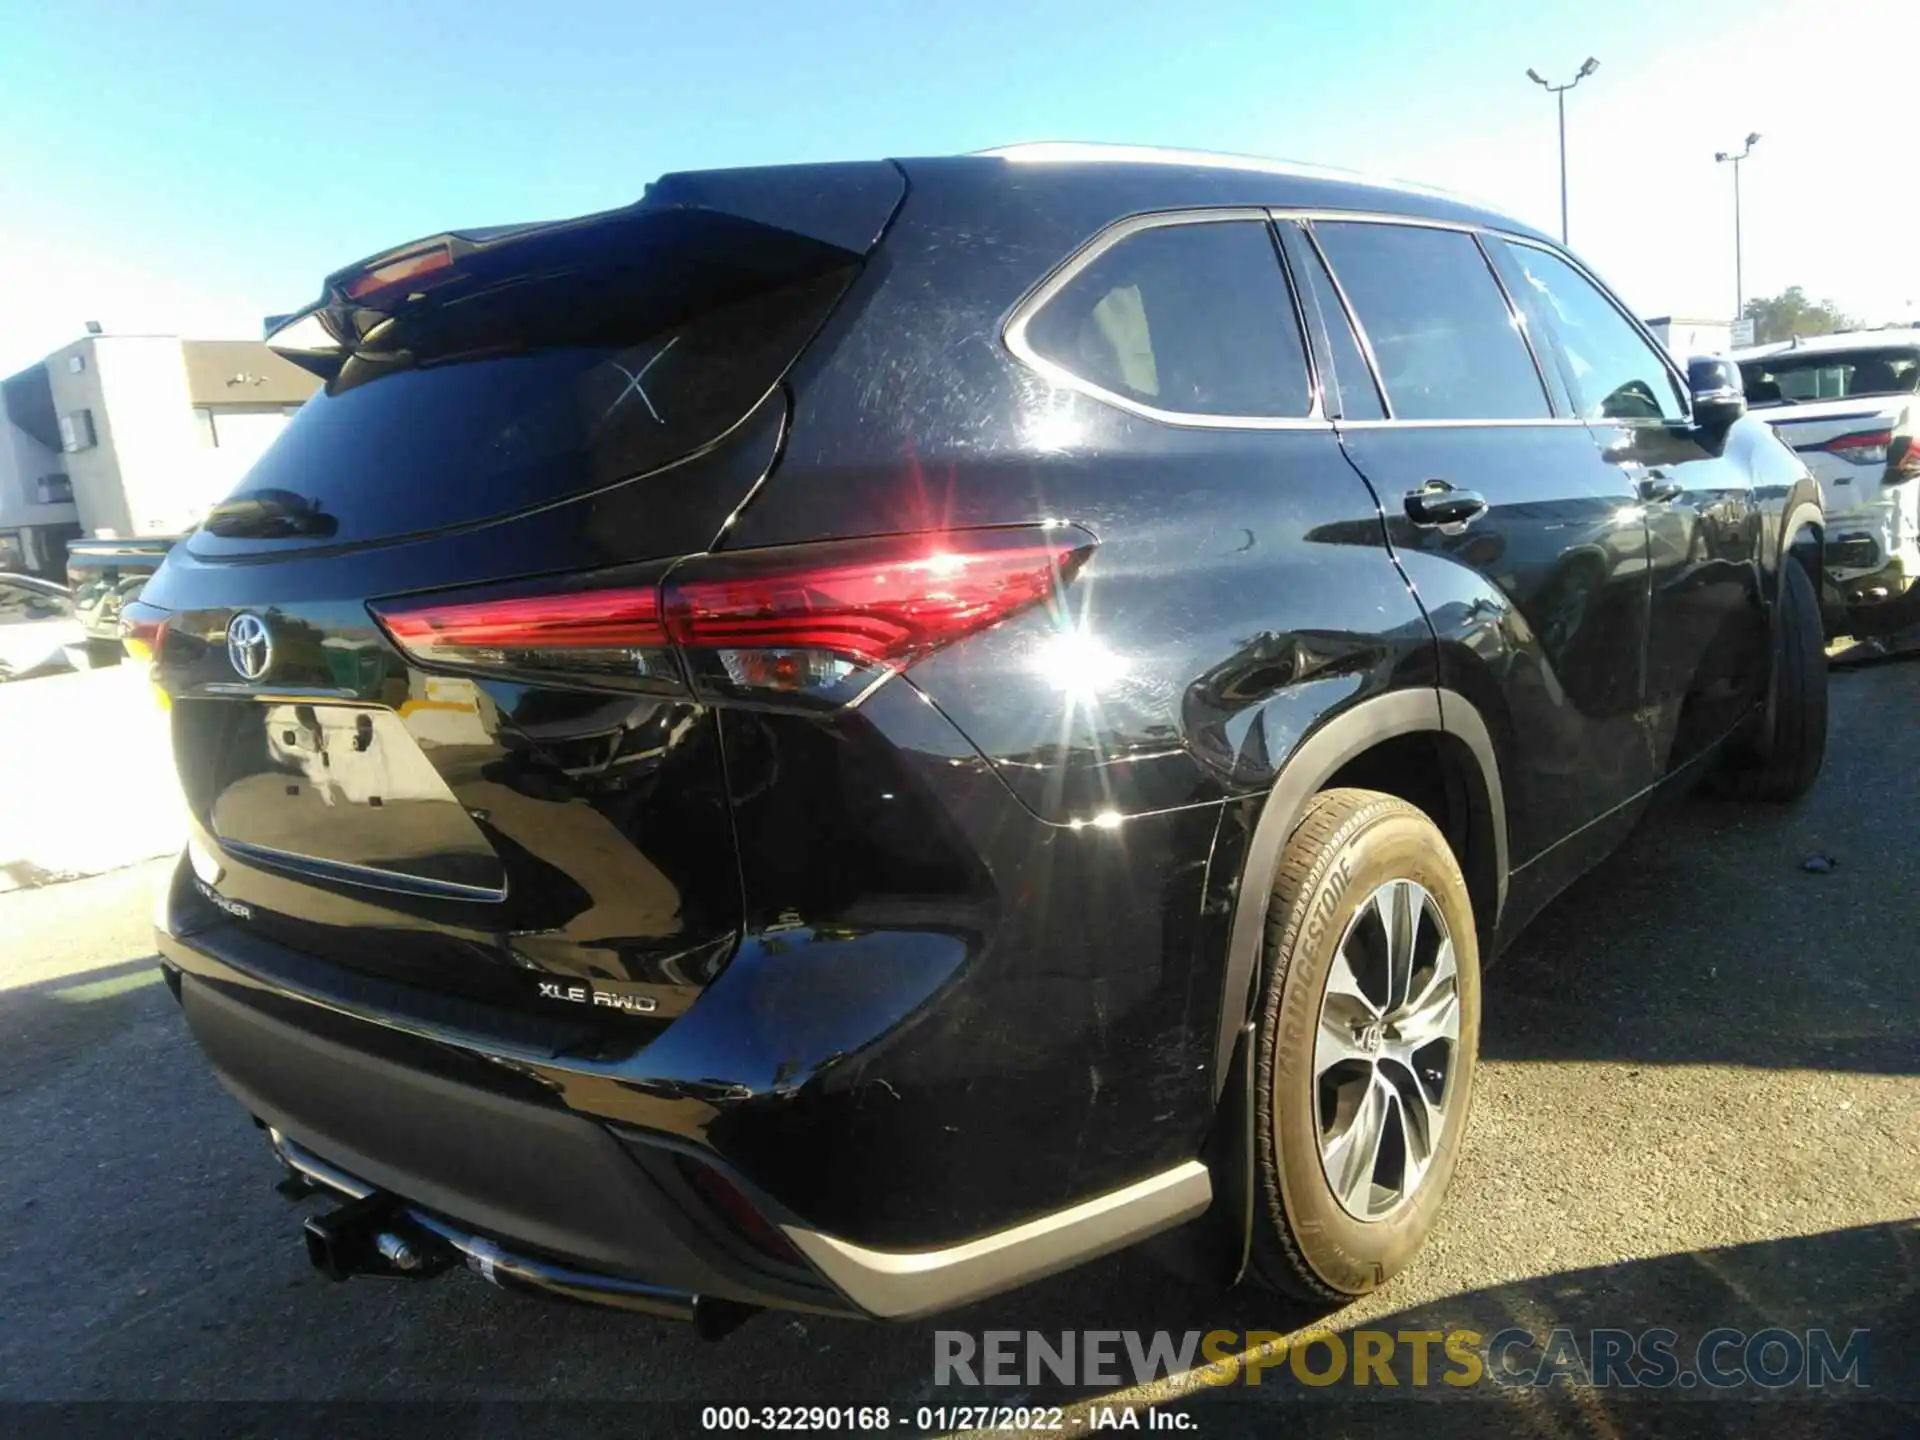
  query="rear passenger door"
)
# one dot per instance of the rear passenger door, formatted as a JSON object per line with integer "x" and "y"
{"x": 1526, "y": 547}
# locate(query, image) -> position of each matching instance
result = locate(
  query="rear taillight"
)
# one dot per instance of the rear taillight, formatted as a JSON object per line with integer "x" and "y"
{"x": 143, "y": 635}
{"x": 143, "y": 631}
{"x": 829, "y": 619}
{"x": 614, "y": 634}
{"x": 1863, "y": 447}
{"x": 1903, "y": 460}
{"x": 816, "y": 623}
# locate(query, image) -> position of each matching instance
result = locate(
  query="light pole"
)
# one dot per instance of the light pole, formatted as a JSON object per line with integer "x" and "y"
{"x": 1739, "y": 281}
{"x": 1559, "y": 93}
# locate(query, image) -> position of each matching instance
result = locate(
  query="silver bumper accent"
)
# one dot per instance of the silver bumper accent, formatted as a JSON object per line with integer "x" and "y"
{"x": 901, "y": 1285}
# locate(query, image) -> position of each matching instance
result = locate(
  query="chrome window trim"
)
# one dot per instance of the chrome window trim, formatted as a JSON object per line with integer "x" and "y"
{"x": 1544, "y": 422}
{"x": 1014, "y": 332}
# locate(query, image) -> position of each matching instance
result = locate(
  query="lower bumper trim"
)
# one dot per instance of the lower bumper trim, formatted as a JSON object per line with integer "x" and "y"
{"x": 905, "y": 1285}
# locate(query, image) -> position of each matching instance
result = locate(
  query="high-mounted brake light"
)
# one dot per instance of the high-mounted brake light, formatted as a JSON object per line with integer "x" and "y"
{"x": 399, "y": 271}
{"x": 818, "y": 623}
{"x": 615, "y": 634}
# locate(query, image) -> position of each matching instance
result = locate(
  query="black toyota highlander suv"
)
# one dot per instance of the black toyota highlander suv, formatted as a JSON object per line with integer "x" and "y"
{"x": 848, "y": 736}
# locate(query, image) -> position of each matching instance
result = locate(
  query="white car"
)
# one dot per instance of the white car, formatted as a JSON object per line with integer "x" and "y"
{"x": 1848, "y": 405}
{"x": 38, "y": 630}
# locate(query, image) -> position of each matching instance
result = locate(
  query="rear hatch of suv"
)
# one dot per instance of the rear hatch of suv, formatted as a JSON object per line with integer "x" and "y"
{"x": 416, "y": 718}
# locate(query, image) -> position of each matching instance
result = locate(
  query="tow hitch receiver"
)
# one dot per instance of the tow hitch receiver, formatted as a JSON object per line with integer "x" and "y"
{"x": 375, "y": 1236}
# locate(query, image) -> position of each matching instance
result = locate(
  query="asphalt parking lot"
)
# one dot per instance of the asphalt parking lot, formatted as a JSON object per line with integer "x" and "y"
{"x": 1699, "y": 1105}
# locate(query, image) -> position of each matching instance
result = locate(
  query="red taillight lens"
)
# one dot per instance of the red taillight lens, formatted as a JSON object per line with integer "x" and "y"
{"x": 1903, "y": 458}
{"x": 740, "y": 1213}
{"x": 822, "y": 618}
{"x": 816, "y": 622}
{"x": 1864, "y": 447}
{"x": 143, "y": 631}
{"x": 613, "y": 634}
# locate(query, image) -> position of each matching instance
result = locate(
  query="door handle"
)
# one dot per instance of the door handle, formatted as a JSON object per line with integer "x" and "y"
{"x": 1438, "y": 503}
{"x": 1657, "y": 487}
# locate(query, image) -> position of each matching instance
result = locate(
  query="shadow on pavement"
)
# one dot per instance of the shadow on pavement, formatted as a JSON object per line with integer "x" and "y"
{"x": 49, "y": 1020}
{"x": 457, "y": 1386}
{"x": 1704, "y": 941}
{"x": 1864, "y": 1279}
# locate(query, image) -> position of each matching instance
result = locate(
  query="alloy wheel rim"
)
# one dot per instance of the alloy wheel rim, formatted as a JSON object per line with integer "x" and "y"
{"x": 1386, "y": 1050}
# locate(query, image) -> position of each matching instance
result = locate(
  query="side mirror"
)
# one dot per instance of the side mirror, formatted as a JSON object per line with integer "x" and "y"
{"x": 1719, "y": 395}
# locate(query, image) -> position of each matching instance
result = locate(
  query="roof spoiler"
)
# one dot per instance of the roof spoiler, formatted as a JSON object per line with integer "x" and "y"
{"x": 843, "y": 206}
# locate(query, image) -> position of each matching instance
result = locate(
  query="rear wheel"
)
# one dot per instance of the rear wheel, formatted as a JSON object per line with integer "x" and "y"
{"x": 1369, "y": 1024}
{"x": 1782, "y": 760}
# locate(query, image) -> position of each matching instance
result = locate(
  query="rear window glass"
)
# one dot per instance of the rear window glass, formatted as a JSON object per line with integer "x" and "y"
{"x": 1193, "y": 319}
{"x": 546, "y": 375}
{"x": 1790, "y": 379}
{"x": 1440, "y": 329}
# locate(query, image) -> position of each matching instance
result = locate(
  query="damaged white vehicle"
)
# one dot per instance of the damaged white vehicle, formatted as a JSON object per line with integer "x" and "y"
{"x": 1848, "y": 405}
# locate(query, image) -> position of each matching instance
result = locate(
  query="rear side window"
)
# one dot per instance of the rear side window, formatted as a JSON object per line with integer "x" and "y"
{"x": 1193, "y": 319}
{"x": 1440, "y": 329}
{"x": 1614, "y": 373}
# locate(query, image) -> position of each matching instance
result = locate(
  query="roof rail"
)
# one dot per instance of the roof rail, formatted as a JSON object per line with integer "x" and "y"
{"x": 1081, "y": 152}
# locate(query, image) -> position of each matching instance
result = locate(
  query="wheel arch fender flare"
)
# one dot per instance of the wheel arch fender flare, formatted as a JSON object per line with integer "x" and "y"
{"x": 1803, "y": 514}
{"x": 1342, "y": 738}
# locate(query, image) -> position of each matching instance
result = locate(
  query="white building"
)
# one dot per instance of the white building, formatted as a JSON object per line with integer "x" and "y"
{"x": 1685, "y": 338}
{"x": 120, "y": 435}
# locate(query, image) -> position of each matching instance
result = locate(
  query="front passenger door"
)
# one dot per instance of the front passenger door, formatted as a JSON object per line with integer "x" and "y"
{"x": 1540, "y": 600}
{"x": 1707, "y": 640}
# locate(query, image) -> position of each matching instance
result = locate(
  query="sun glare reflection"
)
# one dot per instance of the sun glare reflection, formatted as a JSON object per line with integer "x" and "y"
{"x": 1079, "y": 665}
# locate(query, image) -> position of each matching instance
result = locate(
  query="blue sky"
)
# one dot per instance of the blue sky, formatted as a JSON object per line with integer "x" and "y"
{"x": 193, "y": 166}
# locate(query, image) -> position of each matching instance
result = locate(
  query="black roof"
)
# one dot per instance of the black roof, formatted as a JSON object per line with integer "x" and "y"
{"x": 1148, "y": 179}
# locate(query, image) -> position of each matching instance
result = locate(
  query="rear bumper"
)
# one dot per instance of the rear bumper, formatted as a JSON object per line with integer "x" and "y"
{"x": 502, "y": 1267}
{"x": 1881, "y": 601}
{"x": 536, "y": 1180}
{"x": 488, "y": 1143}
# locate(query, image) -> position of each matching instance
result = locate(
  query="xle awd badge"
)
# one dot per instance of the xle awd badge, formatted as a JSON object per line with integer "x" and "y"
{"x": 583, "y": 995}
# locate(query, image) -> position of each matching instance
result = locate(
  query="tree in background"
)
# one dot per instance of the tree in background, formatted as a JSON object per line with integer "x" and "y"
{"x": 1790, "y": 313}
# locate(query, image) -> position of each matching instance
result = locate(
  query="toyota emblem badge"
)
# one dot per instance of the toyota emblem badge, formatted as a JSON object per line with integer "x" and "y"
{"x": 249, "y": 646}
